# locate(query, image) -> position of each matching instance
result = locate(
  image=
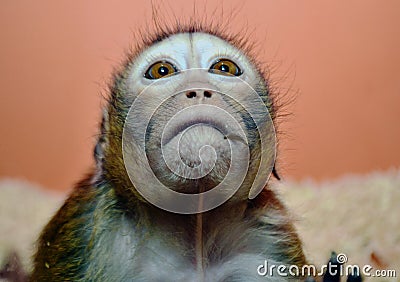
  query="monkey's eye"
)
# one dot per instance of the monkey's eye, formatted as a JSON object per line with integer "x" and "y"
{"x": 225, "y": 67}
{"x": 159, "y": 70}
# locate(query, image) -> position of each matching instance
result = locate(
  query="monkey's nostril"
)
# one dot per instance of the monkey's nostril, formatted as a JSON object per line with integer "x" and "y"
{"x": 191, "y": 94}
{"x": 207, "y": 94}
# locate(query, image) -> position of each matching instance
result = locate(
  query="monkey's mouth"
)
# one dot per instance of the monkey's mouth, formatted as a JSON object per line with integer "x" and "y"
{"x": 187, "y": 125}
{"x": 204, "y": 116}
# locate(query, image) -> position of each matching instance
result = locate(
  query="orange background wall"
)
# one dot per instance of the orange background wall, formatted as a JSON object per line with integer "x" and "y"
{"x": 341, "y": 59}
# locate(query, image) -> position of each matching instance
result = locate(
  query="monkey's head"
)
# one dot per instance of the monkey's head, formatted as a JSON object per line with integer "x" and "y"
{"x": 189, "y": 123}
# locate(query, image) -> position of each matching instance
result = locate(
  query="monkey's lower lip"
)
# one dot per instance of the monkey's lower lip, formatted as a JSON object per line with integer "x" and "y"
{"x": 203, "y": 115}
{"x": 185, "y": 120}
{"x": 180, "y": 128}
{"x": 223, "y": 129}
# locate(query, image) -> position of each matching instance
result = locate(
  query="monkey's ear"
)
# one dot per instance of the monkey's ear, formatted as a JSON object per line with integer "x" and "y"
{"x": 102, "y": 142}
{"x": 275, "y": 173}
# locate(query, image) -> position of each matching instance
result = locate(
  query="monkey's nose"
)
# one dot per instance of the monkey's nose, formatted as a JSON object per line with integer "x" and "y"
{"x": 199, "y": 94}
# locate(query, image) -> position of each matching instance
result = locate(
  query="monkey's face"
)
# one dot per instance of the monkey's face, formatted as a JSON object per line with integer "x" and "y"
{"x": 198, "y": 121}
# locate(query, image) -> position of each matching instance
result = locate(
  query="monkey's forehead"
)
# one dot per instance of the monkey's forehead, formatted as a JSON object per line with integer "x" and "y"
{"x": 190, "y": 50}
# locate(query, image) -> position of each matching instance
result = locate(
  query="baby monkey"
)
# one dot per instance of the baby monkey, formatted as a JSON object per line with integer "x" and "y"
{"x": 180, "y": 189}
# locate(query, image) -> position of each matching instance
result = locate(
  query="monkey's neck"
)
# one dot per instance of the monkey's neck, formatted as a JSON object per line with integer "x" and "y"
{"x": 195, "y": 229}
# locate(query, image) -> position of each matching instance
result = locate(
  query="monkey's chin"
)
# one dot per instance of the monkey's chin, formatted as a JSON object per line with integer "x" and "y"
{"x": 196, "y": 151}
{"x": 197, "y": 156}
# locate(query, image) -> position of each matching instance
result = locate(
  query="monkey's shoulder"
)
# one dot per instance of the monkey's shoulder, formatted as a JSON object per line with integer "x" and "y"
{"x": 65, "y": 245}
